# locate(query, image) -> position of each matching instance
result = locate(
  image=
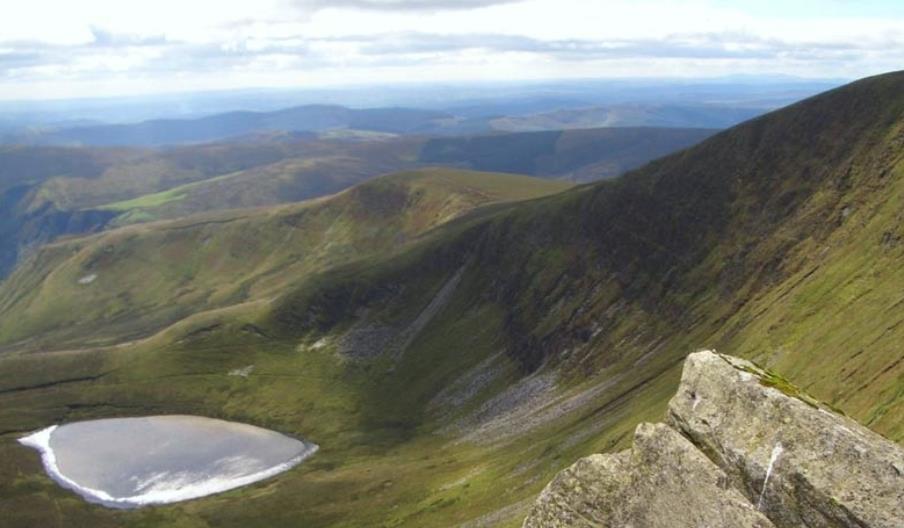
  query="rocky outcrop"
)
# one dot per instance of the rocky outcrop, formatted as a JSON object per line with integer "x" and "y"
{"x": 663, "y": 482}
{"x": 742, "y": 447}
{"x": 800, "y": 463}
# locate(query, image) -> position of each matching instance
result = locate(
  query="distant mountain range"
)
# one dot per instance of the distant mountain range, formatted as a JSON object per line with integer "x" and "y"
{"x": 314, "y": 118}
{"x": 580, "y": 155}
{"x": 449, "y": 109}
{"x": 48, "y": 191}
{"x": 339, "y": 121}
{"x": 453, "y": 339}
{"x": 469, "y": 99}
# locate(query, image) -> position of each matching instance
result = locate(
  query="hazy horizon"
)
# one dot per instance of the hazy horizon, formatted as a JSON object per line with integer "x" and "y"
{"x": 100, "y": 48}
{"x": 427, "y": 86}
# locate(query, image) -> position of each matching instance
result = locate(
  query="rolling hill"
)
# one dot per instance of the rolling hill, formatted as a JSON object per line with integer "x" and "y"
{"x": 666, "y": 115}
{"x": 309, "y": 118}
{"x": 122, "y": 281}
{"x": 47, "y": 192}
{"x": 449, "y": 378}
{"x": 330, "y": 120}
{"x": 576, "y": 155}
{"x": 325, "y": 167}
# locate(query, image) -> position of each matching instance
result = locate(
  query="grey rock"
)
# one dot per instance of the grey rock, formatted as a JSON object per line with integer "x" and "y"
{"x": 663, "y": 482}
{"x": 742, "y": 447}
{"x": 800, "y": 463}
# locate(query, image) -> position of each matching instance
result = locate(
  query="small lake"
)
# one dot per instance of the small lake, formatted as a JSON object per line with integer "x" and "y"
{"x": 132, "y": 462}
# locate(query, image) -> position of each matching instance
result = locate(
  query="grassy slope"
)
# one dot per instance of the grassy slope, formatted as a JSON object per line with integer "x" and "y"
{"x": 779, "y": 240}
{"x": 219, "y": 127}
{"x": 48, "y": 192}
{"x": 576, "y": 155}
{"x": 230, "y": 257}
{"x": 318, "y": 169}
{"x": 629, "y": 115}
{"x": 162, "y": 170}
{"x": 24, "y": 165}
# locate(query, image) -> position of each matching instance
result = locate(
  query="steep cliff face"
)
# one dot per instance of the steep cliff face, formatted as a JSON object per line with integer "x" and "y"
{"x": 22, "y": 230}
{"x": 750, "y": 242}
{"x": 742, "y": 447}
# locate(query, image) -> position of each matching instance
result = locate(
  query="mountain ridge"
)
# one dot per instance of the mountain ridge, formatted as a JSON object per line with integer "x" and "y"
{"x": 49, "y": 191}
{"x": 381, "y": 214}
{"x": 521, "y": 337}
{"x": 307, "y": 118}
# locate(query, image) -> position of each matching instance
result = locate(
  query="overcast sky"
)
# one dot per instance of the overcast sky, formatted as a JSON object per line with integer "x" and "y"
{"x": 75, "y": 48}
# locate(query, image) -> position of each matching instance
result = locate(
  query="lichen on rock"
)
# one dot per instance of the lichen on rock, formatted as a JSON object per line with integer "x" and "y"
{"x": 738, "y": 450}
{"x": 663, "y": 482}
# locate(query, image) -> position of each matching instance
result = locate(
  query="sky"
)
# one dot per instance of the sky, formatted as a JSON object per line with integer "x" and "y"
{"x": 85, "y": 48}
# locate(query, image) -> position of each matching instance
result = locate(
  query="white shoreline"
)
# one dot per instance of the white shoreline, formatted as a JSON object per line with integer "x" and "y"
{"x": 40, "y": 440}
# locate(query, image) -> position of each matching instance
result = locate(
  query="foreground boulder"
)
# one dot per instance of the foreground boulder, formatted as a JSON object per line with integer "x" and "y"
{"x": 645, "y": 487}
{"x": 742, "y": 448}
{"x": 800, "y": 463}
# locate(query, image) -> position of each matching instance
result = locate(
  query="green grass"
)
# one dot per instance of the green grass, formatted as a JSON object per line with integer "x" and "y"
{"x": 369, "y": 472}
{"x": 159, "y": 199}
{"x": 775, "y": 241}
{"x": 148, "y": 201}
{"x": 152, "y": 276}
{"x": 267, "y": 174}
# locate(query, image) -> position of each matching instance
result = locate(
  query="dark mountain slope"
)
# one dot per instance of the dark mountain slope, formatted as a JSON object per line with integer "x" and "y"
{"x": 634, "y": 114}
{"x": 577, "y": 155}
{"x": 23, "y": 170}
{"x": 449, "y": 381}
{"x": 46, "y": 192}
{"x": 132, "y": 281}
{"x": 23, "y": 165}
{"x": 758, "y": 223}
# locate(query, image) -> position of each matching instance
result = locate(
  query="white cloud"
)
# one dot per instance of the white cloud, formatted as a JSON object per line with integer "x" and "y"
{"x": 107, "y": 46}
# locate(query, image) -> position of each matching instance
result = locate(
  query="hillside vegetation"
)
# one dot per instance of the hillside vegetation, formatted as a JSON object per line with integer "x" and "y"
{"x": 131, "y": 281}
{"x": 447, "y": 381}
{"x": 309, "y": 118}
{"x": 576, "y": 155}
{"x": 665, "y": 115}
{"x": 48, "y": 192}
